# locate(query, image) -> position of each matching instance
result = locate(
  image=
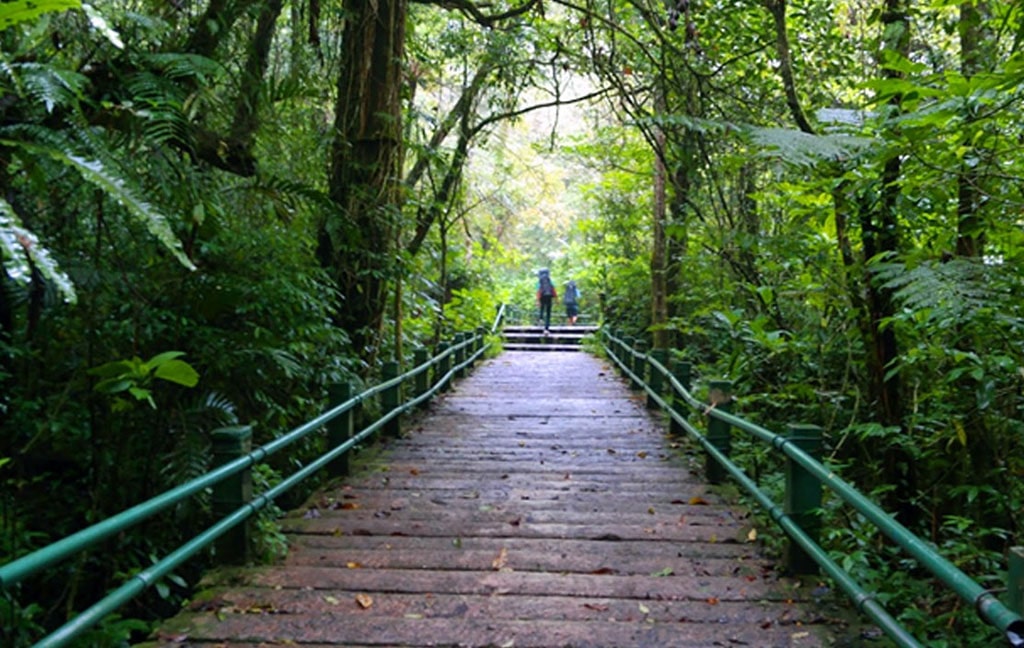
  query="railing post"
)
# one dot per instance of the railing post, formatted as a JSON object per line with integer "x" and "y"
{"x": 719, "y": 432}
{"x": 657, "y": 381}
{"x": 681, "y": 372}
{"x": 422, "y": 385}
{"x": 339, "y": 429}
{"x": 803, "y": 496}
{"x": 444, "y": 365}
{"x": 1015, "y": 597}
{"x": 639, "y": 362}
{"x": 478, "y": 344}
{"x": 230, "y": 443}
{"x": 390, "y": 398}
{"x": 460, "y": 354}
{"x": 627, "y": 359}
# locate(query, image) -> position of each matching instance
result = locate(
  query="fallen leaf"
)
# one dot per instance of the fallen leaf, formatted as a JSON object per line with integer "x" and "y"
{"x": 644, "y": 609}
{"x": 349, "y": 506}
{"x": 353, "y": 564}
{"x": 712, "y": 600}
{"x": 697, "y": 500}
{"x": 516, "y": 521}
{"x": 414, "y": 471}
{"x": 642, "y": 454}
{"x": 668, "y": 571}
{"x": 332, "y": 600}
{"x": 499, "y": 562}
{"x": 364, "y": 600}
{"x": 596, "y": 607}
{"x": 413, "y": 616}
{"x": 650, "y": 510}
{"x": 337, "y": 532}
{"x": 752, "y": 536}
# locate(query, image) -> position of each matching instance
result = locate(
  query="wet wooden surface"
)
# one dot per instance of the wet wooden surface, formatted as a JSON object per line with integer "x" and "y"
{"x": 538, "y": 504}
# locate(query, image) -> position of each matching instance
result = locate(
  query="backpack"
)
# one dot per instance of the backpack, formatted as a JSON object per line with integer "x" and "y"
{"x": 571, "y": 293}
{"x": 546, "y": 287}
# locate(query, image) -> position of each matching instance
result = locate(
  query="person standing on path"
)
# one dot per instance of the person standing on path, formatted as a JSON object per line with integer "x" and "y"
{"x": 546, "y": 294}
{"x": 570, "y": 299}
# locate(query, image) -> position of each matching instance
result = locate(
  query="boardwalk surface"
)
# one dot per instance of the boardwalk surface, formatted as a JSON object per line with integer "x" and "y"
{"x": 538, "y": 504}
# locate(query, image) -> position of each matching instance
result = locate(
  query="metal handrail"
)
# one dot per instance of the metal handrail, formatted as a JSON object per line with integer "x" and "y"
{"x": 24, "y": 567}
{"x": 499, "y": 318}
{"x": 987, "y": 606}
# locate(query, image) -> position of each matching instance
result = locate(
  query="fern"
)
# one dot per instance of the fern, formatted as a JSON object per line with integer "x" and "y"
{"x": 945, "y": 293}
{"x": 51, "y": 86}
{"x": 22, "y": 252}
{"x": 95, "y": 172}
{"x": 803, "y": 149}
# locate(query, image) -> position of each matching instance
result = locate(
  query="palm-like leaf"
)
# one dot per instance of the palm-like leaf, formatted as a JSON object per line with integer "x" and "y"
{"x": 21, "y": 253}
{"x": 95, "y": 172}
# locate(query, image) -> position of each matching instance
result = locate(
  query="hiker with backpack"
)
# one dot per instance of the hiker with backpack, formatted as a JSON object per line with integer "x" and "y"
{"x": 546, "y": 295}
{"x": 571, "y": 300}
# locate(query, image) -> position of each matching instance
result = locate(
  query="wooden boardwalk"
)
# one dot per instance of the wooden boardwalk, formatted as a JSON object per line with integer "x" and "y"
{"x": 537, "y": 504}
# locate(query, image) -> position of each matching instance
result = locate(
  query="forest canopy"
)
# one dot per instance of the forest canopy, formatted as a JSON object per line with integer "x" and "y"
{"x": 213, "y": 210}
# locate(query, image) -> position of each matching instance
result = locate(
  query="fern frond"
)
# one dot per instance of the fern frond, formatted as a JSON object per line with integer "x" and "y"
{"x": 22, "y": 252}
{"x": 95, "y": 172}
{"x": 48, "y": 85}
{"x": 803, "y": 149}
{"x": 944, "y": 292}
{"x": 184, "y": 66}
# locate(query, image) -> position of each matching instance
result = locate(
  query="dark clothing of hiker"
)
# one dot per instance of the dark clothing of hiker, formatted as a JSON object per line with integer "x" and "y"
{"x": 546, "y": 295}
{"x": 571, "y": 301}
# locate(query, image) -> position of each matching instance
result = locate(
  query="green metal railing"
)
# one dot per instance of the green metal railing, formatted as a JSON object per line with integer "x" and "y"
{"x": 231, "y": 481}
{"x": 805, "y": 475}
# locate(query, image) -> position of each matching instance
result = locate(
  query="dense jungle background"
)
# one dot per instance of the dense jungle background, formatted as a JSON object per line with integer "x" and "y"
{"x": 212, "y": 210}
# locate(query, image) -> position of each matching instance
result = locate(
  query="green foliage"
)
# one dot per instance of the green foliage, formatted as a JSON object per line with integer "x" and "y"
{"x": 136, "y": 377}
{"x": 13, "y": 12}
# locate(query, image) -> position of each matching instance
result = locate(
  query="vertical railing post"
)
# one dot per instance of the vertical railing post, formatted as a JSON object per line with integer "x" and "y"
{"x": 627, "y": 359}
{"x": 719, "y": 432}
{"x": 390, "y": 398}
{"x": 1015, "y": 596}
{"x": 422, "y": 384}
{"x": 657, "y": 381}
{"x": 444, "y": 365}
{"x": 230, "y": 443}
{"x": 803, "y": 496}
{"x": 339, "y": 429}
{"x": 478, "y": 345}
{"x": 639, "y": 362}
{"x": 681, "y": 372}
{"x": 460, "y": 354}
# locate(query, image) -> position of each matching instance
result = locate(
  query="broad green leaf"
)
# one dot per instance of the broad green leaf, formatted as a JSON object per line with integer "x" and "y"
{"x": 95, "y": 172}
{"x": 161, "y": 358}
{"x": 112, "y": 369}
{"x": 21, "y": 252}
{"x": 178, "y": 371}
{"x": 113, "y": 385}
{"x": 13, "y": 12}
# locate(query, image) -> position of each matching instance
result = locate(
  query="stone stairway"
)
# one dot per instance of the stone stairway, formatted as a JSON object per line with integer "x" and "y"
{"x": 532, "y": 338}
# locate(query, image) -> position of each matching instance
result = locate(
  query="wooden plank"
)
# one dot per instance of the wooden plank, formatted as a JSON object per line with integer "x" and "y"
{"x": 539, "y": 503}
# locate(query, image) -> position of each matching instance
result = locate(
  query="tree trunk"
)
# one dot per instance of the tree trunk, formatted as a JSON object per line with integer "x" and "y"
{"x": 365, "y": 167}
{"x": 970, "y": 238}
{"x": 659, "y": 257}
{"x": 879, "y": 235}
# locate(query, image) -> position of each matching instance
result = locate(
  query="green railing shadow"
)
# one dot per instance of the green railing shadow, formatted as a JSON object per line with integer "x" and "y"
{"x": 636, "y": 363}
{"x": 450, "y": 361}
